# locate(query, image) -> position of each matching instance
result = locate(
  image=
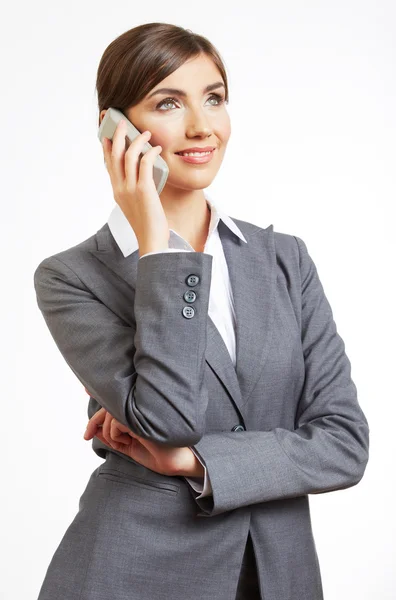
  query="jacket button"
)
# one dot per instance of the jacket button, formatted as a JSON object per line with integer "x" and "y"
{"x": 188, "y": 312}
{"x": 189, "y": 296}
{"x": 192, "y": 280}
{"x": 238, "y": 428}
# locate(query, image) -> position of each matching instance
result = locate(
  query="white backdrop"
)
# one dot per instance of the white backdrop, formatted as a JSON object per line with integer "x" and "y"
{"x": 312, "y": 151}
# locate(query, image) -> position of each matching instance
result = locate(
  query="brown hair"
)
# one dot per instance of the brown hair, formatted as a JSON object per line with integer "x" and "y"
{"x": 136, "y": 61}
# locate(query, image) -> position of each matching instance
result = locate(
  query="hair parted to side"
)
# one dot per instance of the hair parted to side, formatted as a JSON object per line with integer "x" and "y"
{"x": 137, "y": 60}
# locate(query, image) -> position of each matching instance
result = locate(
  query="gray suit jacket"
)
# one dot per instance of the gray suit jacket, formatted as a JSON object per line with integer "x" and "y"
{"x": 283, "y": 424}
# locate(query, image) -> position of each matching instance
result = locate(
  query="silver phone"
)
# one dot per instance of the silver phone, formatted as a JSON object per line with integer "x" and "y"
{"x": 107, "y": 129}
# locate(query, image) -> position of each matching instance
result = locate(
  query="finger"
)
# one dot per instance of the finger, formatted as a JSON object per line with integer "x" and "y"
{"x": 106, "y": 427}
{"x": 116, "y": 155}
{"x": 113, "y": 445}
{"x": 112, "y": 148}
{"x": 117, "y": 435}
{"x": 118, "y": 151}
{"x": 133, "y": 159}
{"x": 145, "y": 175}
{"x": 122, "y": 427}
{"x": 96, "y": 420}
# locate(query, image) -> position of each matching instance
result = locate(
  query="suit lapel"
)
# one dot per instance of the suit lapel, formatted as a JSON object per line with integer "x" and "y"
{"x": 251, "y": 269}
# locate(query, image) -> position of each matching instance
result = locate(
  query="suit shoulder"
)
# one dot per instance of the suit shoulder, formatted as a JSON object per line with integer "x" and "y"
{"x": 67, "y": 258}
{"x": 285, "y": 243}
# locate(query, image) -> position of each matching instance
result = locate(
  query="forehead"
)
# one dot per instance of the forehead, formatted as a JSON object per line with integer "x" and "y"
{"x": 195, "y": 72}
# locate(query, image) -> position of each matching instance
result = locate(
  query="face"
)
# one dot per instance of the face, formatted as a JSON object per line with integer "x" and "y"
{"x": 177, "y": 122}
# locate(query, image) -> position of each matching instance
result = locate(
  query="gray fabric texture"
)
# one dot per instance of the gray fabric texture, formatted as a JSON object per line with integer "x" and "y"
{"x": 118, "y": 324}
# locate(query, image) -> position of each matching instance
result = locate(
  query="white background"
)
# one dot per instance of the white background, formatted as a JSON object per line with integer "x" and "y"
{"x": 312, "y": 151}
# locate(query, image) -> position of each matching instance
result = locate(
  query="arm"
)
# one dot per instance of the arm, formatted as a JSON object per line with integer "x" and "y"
{"x": 329, "y": 448}
{"x": 151, "y": 377}
{"x": 199, "y": 484}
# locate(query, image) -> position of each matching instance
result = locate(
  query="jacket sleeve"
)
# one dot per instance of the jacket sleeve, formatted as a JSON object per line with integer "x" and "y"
{"x": 164, "y": 250}
{"x": 198, "y": 484}
{"x": 151, "y": 377}
{"x": 329, "y": 447}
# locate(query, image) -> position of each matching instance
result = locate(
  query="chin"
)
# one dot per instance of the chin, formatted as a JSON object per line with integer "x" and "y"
{"x": 196, "y": 183}
{"x": 189, "y": 185}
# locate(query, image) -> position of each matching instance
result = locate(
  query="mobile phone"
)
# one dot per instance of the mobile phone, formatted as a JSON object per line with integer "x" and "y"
{"x": 107, "y": 129}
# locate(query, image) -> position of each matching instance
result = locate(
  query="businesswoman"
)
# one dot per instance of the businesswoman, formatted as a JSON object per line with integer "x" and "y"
{"x": 220, "y": 392}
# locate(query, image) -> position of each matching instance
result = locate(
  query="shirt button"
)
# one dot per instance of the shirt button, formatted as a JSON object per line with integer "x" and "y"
{"x": 188, "y": 312}
{"x": 192, "y": 280}
{"x": 189, "y": 296}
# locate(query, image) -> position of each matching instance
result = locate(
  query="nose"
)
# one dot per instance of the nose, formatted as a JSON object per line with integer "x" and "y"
{"x": 198, "y": 124}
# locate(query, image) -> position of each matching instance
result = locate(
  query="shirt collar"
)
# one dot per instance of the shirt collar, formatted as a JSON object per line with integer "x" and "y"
{"x": 126, "y": 239}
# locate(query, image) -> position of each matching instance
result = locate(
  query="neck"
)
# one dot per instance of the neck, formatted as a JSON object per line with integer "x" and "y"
{"x": 188, "y": 214}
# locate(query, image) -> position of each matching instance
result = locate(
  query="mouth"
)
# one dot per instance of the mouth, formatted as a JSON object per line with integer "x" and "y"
{"x": 197, "y": 158}
{"x": 196, "y": 152}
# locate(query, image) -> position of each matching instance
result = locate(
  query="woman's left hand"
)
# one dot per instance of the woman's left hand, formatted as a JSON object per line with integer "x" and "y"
{"x": 167, "y": 460}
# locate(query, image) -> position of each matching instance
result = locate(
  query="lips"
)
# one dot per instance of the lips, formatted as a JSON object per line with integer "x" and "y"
{"x": 206, "y": 149}
{"x": 197, "y": 159}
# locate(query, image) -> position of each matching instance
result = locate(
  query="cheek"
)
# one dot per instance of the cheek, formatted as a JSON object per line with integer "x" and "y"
{"x": 224, "y": 129}
{"x": 162, "y": 137}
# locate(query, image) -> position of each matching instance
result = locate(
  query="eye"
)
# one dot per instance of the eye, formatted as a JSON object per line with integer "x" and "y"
{"x": 220, "y": 99}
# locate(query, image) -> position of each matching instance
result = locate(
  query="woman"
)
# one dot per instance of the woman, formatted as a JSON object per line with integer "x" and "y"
{"x": 220, "y": 391}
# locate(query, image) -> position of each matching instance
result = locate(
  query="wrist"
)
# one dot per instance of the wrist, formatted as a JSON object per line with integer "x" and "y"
{"x": 199, "y": 470}
{"x": 143, "y": 251}
{"x": 145, "y": 247}
{"x": 192, "y": 466}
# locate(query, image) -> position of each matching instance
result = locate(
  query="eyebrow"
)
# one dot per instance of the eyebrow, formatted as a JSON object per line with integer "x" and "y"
{"x": 209, "y": 88}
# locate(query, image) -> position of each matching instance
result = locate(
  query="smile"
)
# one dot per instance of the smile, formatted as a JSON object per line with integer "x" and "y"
{"x": 197, "y": 157}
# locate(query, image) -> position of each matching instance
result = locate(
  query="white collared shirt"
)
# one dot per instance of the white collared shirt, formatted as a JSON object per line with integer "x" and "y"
{"x": 221, "y": 302}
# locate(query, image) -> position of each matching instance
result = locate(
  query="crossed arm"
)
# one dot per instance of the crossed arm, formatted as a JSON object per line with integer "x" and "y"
{"x": 166, "y": 460}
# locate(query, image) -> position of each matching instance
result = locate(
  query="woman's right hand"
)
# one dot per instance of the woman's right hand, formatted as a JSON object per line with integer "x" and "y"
{"x": 160, "y": 458}
{"x": 134, "y": 188}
